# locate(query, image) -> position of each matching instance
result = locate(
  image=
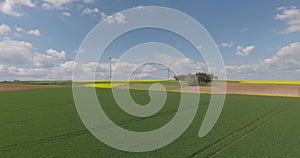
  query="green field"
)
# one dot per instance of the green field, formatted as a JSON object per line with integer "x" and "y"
{"x": 45, "y": 123}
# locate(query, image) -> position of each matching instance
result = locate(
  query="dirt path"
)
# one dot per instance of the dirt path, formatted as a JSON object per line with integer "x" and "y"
{"x": 12, "y": 87}
{"x": 254, "y": 89}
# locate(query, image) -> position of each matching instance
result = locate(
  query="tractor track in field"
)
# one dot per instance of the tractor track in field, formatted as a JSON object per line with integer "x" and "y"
{"x": 248, "y": 133}
{"x": 240, "y": 134}
{"x": 85, "y": 131}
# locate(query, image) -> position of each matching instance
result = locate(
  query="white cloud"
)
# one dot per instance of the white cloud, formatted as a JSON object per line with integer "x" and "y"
{"x": 88, "y": 1}
{"x": 50, "y": 58}
{"x": 34, "y": 32}
{"x": 4, "y": 29}
{"x": 285, "y": 64}
{"x": 20, "y": 60}
{"x": 9, "y": 6}
{"x": 116, "y": 18}
{"x": 291, "y": 17}
{"x": 56, "y": 4}
{"x": 53, "y": 64}
{"x": 120, "y": 18}
{"x": 65, "y": 70}
{"x": 140, "y": 7}
{"x": 3, "y": 69}
{"x": 244, "y": 51}
{"x": 288, "y": 57}
{"x": 89, "y": 11}
{"x": 181, "y": 64}
{"x": 19, "y": 29}
{"x": 110, "y": 19}
{"x": 200, "y": 47}
{"x": 16, "y": 52}
{"x": 227, "y": 45}
{"x": 66, "y": 14}
{"x": 122, "y": 70}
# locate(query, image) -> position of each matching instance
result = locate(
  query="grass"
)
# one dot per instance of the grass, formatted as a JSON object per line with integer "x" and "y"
{"x": 45, "y": 123}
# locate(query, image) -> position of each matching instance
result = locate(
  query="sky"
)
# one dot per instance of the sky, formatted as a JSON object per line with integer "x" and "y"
{"x": 41, "y": 39}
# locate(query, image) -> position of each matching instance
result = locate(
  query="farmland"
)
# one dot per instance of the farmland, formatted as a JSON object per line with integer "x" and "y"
{"x": 45, "y": 123}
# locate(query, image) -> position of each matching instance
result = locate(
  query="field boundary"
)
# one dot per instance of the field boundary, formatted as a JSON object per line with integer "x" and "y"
{"x": 14, "y": 87}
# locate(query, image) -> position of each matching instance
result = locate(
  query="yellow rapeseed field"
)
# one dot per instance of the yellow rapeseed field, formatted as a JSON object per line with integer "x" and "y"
{"x": 266, "y": 82}
{"x": 103, "y": 85}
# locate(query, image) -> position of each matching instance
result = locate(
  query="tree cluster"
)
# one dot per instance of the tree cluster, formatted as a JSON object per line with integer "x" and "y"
{"x": 196, "y": 79}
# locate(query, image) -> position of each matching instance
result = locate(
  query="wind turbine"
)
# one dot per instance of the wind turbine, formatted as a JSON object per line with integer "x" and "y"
{"x": 168, "y": 72}
{"x": 109, "y": 67}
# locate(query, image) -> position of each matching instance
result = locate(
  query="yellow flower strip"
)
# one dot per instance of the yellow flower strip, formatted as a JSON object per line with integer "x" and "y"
{"x": 103, "y": 85}
{"x": 266, "y": 82}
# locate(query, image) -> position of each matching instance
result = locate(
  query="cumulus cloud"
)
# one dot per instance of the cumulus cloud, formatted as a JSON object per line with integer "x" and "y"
{"x": 55, "y": 4}
{"x": 120, "y": 18}
{"x": 3, "y": 69}
{"x": 182, "y": 65}
{"x": 89, "y": 11}
{"x": 50, "y": 58}
{"x": 19, "y": 29}
{"x": 4, "y": 29}
{"x": 285, "y": 64}
{"x": 116, "y": 18}
{"x": 287, "y": 58}
{"x": 227, "y": 45}
{"x": 20, "y": 60}
{"x": 88, "y": 1}
{"x": 55, "y": 73}
{"x": 9, "y": 6}
{"x": 244, "y": 51}
{"x": 291, "y": 17}
{"x": 64, "y": 71}
{"x": 200, "y": 47}
{"x": 66, "y": 14}
{"x": 140, "y": 7}
{"x": 16, "y": 52}
{"x": 140, "y": 69}
{"x": 34, "y": 32}
{"x": 53, "y": 64}
{"x": 122, "y": 70}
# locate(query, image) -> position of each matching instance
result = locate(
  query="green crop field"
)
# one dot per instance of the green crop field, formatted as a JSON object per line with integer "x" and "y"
{"x": 45, "y": 123}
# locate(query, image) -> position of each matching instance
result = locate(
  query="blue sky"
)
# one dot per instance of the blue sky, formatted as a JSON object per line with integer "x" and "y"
{"x": 257, "y": 39}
